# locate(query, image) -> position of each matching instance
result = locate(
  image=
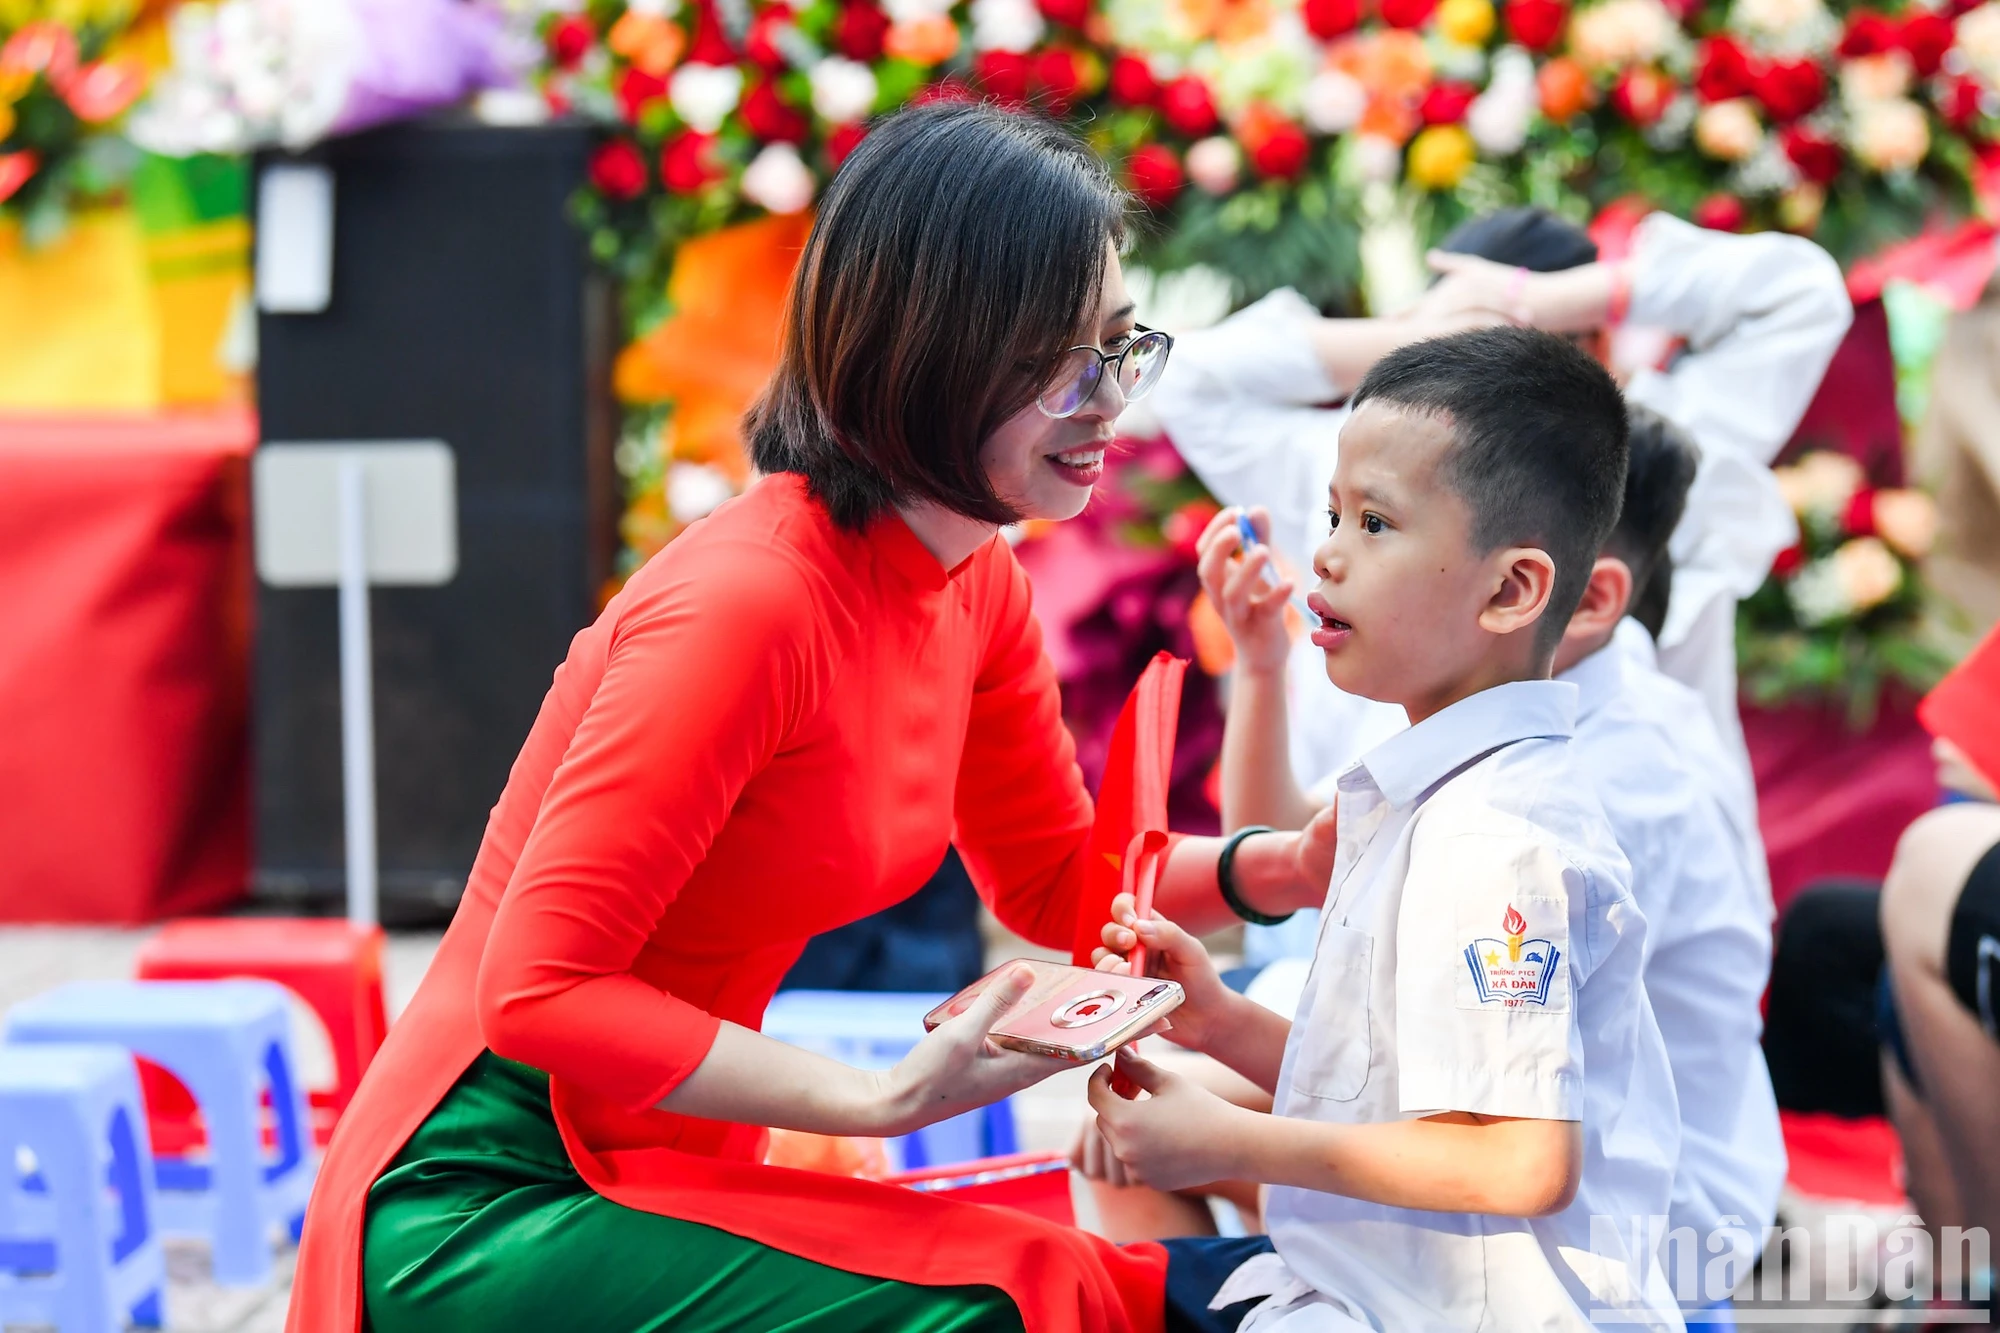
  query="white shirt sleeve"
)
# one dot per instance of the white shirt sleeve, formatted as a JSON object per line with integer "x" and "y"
{"x": 1761, "y": 316}
{"x": 1241, "y": 403}
{"x": 1487, "y": 968}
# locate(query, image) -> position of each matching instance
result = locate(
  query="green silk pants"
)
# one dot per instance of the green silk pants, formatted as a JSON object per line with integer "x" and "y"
{"x": 482, "y": 1223}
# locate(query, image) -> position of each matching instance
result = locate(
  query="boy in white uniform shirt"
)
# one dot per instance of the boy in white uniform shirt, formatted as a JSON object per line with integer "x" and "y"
{"x": 1472, "y": 1113}
{"x": 1645, "y": 744}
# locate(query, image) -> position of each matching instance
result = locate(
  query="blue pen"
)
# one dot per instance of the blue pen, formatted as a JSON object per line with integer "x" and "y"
{"x": 1247, "y": 530}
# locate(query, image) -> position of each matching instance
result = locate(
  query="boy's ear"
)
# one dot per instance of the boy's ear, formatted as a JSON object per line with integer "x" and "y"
{"x": 1604, "y": 601}
{"x": 1527, "y": 576}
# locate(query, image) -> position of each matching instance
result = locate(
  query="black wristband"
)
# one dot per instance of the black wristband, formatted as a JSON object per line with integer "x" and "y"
{"x": 1225, "y": 879}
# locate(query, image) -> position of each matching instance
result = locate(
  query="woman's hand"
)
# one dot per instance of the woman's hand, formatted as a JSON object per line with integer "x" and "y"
{"x": 1471, "y": 288}
{"x": 1248, "y": 594}
{"x": 1174, "y": 954}
{"x": 958, "y": 1068}
{"x": 1177, "y": 1135}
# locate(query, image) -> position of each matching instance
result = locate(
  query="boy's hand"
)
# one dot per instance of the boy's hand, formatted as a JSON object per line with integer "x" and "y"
{"x": 1248, "y": 594}
{"x": 1179, "y": 1134}
{"x": 1174, "y": 954}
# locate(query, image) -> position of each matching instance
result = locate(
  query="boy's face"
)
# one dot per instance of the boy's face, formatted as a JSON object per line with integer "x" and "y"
{"x": 1406, "y": 605}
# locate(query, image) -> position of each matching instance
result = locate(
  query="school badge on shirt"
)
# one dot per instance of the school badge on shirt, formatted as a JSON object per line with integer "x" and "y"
{"x": 1512, "y": 969}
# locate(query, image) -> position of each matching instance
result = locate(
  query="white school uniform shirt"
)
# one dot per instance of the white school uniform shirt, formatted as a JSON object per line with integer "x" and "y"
{"x": 1245, "y": 404}
{"x": 1480, "y": 951}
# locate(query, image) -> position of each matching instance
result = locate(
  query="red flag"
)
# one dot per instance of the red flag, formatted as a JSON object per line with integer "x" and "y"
{"x": 1131, "y": 799}
{"x": 1964, "y": 709}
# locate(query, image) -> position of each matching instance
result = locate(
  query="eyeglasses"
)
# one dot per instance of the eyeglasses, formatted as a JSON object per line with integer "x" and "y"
{"x": 1136, "y": 366}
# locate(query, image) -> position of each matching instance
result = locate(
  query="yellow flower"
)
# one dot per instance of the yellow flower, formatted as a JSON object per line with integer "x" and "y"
{"x": 1466, "y": 22}
{"x": 1728, "y": 130}
{"x": 6, "y": 121}
{"x": 1440, "y": 157}
{"x": 1799, "y": 208}
{"x": 1819, "y": 483}
{"x": 1869, "y": 573}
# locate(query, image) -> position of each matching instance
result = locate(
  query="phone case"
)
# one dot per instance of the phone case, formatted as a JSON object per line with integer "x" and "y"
{"x": 1072, "y": 1013}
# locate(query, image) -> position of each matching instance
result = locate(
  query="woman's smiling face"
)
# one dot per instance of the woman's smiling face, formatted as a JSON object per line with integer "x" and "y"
{"x": 1044, "y": 467}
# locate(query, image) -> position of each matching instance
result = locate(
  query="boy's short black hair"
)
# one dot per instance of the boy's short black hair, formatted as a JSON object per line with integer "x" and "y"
{"x": 1659, "y": 468}
{"x": 1530, "y": 238}
{"x": 1539, "y": 443}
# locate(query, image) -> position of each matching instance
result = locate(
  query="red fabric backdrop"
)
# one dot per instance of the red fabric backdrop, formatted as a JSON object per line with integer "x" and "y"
{"x": 124, "y": 665}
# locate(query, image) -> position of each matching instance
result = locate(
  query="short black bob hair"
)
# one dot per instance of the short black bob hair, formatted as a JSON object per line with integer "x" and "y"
{"x": 1538, "y": 444}
{"x": 958, "y": 252}
{"x": 1530, "y": 238}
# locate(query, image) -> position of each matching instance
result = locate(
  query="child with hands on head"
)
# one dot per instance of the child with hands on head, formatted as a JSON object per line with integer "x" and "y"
{"x": 1472, "y": 1117}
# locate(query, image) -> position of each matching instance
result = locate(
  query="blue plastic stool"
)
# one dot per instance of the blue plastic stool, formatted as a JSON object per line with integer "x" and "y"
{"x": 77, "y": 1244}
{"x": 229, "y": 1042}
{"x": 873, "y": 1030}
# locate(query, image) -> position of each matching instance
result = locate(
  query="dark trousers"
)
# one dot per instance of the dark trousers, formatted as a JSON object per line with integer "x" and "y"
{"x": 1197, "y": 1266}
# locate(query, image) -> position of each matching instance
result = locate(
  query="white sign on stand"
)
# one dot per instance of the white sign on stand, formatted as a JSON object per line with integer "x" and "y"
{"x": 348, "y": 514}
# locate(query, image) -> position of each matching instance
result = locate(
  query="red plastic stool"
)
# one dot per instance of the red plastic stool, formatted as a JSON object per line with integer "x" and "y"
{"x": 333, "y": 966}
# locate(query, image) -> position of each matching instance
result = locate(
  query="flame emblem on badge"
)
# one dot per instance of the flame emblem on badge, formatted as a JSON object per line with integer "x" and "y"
{"x": 1515, "y": 926}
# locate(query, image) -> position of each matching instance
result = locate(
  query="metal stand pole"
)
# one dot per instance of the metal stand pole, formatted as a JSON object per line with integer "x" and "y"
{"x": 357, "y": 701}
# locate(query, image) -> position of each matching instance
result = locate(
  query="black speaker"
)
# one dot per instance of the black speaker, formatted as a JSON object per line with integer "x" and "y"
{"x": 463, "y": 308}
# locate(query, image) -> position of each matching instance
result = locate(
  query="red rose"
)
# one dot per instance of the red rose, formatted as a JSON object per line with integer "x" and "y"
{"x": 1926, "y": 36}
{"x": 1720, "y": 212}
{"x": 618, "y": 169}
{"x": 1722, "y": 71}
{"x": 569, "y": 40}
{"x": 842, "y": 140}
{"x": 711, "y": 45}
{"x": 1155, "y": 174}
{"x": 1536, "y": 24}
{"x": 1183, "y": 527}
{"x": 1132, "y": 81}
{"x": 689, "y": 162}
{"x": 1816, "y": 157}
{"x": 1858, "y": 519}
{"x": 635, "y": 89}
{"x": 1447, "y": 103}
{"x": 1059, "y": 76}
{"x": 770, "y": 117}
{"x": 1406, "y": 13}
{"x": 1641, "y": 95}
{"x": 1070, "y": 12}
{"x": 1280, "y": 153}
{"x": 1788, "y": 561}
{"x": 859, "y": 30}
{"x": 1959, "y": 102}
{"x": 759, "y": 45}
{"x": 1329, "y": 19}
{"x": 1003, "y": 74}
{"x": 1790, "y": 88}
{"x": 1868, "y": 34}
{"x": 1187, "y": 106}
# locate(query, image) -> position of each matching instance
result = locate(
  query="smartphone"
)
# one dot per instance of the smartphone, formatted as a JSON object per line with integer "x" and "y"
{"x": 1071, "y": 1013}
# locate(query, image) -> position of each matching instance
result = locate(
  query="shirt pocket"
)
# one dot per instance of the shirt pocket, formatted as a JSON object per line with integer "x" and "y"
{"x": 1334, "y": 1050}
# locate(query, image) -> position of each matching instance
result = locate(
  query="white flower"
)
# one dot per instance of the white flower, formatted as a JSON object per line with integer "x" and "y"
{"x": 1786, "y": 27}
{"x": 1617, "y": 33}
{"x": 1333, "y": 102}
{"x": 843, "y": 90}
{"x": 695, "y": 489}
{"x": 1978, "y": 34}
{"x": 1728, "y": 130}
{"x": 778, "y": 181}
{"x": 1818, "y": 594}
{"x": 1378, "y": 159}
{"x": 1005, "y": 25}
{"x": 1874, "y": 78}
{"x": 1498, "y": 117}
{"x": 704, "y": 95}
{"x": 909, "y": 11}
{"x": 1214, "y": 164}
{"x": 659, "y": 9}
{"x": 1820, "y": 483}
{"x": 1890, "y": 135}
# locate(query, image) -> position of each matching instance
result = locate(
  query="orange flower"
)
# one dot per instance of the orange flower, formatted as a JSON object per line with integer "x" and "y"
{"x": 925, "y": 41}
{"x": 1566, "y": 90}
{"x": 1389, "y": 118}
{"x": 648, "y": 41}
{"x": 1390, "y": 63}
